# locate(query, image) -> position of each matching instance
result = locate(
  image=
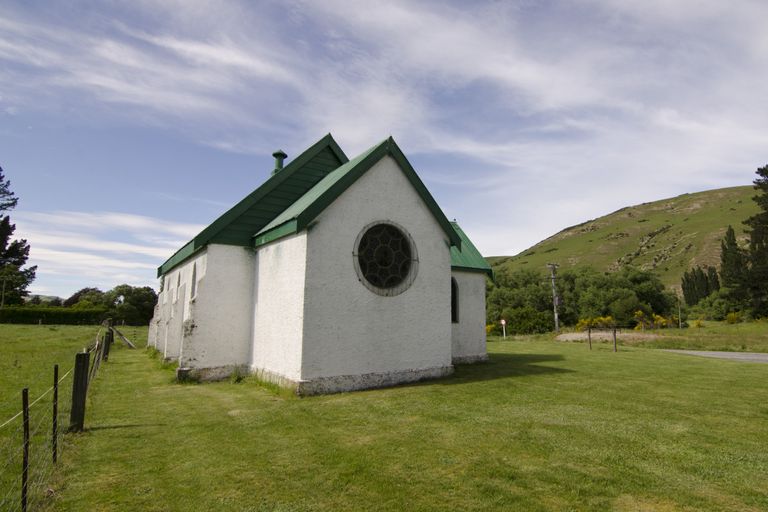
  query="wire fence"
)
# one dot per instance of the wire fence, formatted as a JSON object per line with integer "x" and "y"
{"x": 32, "y": 439}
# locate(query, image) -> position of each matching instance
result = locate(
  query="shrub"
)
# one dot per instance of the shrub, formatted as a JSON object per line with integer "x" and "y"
{"x": 52, "y": 315}
{"x": 600, "y": 322}
{"x": 733, "y": 318}
{"x": 527, "y": 320}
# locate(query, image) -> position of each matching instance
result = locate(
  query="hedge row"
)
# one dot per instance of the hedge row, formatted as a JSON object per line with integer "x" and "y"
{"x": 52, "y": 315}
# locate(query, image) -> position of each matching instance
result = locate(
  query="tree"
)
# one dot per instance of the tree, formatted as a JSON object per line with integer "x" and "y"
{"x": 92, "y": 295}
{"x": 757, "y": 283}
{"x": 733, "y": 270}
{"x": 8, "y": 199}
{"x": 712, "y": 279}
{"x": 14, "y": 279}
{"x": 132, "y": 304}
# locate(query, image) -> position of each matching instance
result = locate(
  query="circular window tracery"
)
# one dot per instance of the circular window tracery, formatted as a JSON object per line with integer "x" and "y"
{"x": 385, "y": 258}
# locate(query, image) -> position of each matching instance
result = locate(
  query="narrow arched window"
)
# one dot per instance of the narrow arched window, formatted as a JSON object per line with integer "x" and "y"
{"x": 193, "y": 285}
{"x": 454, "y": 301}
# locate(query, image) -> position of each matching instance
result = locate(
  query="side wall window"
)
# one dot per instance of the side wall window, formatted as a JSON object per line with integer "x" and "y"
{"x": 193, "y": 285}
{"x": 454, "y": 301}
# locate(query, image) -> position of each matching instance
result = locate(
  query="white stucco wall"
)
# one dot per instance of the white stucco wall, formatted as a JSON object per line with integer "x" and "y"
{"x": 154, "y": 326}
{"x": 217, "y": 331}
{"x": 278, "y": 309}
{"x": 172, "y": 309}
{"x": 468, "y": 335}
{"x": 173, "y": 337}
{"x": 348, "y": 329}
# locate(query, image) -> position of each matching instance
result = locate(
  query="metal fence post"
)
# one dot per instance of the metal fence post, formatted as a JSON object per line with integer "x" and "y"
{"x": 79, "y": 390}
{"x": 55, "y": 426}
{"x": 25, "y": 457}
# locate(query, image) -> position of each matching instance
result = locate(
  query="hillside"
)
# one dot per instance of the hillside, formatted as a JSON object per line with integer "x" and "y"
{"x": 667, "y": 236}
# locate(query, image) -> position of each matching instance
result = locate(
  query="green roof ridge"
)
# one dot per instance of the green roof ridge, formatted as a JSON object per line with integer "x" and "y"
{"x": 319, "y": 197}
{"x": 467, "y": 257}
{"x": 228, "y": 218}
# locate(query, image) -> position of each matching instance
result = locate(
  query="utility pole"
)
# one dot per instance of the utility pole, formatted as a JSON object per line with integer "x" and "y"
{"x": 555, "y": 300}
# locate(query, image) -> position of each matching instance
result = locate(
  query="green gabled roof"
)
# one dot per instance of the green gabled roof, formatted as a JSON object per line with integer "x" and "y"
{"x": 296, "y": 217}
{"x": 468, "y": 257}
{"x": 280, "y": 191}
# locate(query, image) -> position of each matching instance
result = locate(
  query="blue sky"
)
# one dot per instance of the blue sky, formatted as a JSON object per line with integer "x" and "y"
{"x": 125, "y": 127}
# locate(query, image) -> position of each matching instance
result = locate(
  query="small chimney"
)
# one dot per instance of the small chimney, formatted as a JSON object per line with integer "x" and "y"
{"x": 279, "y": 157}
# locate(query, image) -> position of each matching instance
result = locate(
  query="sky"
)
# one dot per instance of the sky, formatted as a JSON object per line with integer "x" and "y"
{"x": 126, "y": 127}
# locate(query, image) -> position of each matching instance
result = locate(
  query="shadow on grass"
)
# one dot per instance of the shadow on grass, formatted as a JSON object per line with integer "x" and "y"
{"x": 127, "y": 425}
{"x": 501, "y": 366}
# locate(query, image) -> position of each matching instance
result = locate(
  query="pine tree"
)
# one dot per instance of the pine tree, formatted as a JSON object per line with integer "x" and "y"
{"x": 688, "y": 291}
{"x": 733, "y": 279}
{"x": 14, "y": 279}
{"x": 757, "y": 283}
{"x": 713, "y": 280}
{"x": 701, "y": 284}
{"x": 8, "y": 199}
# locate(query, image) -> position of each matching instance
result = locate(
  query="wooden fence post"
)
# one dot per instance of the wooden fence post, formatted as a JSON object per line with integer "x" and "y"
{"x": 25, "y": 457}
{"x": 589, "y": 337}
{"x": 614, "y": 340}
{"x": 55, "y": 428}
{"x": 79, "y": 391}
{"x": 109, "y": 337}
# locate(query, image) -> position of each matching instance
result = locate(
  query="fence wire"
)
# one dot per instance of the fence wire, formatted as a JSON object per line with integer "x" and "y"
{"x": 40, "y": 462}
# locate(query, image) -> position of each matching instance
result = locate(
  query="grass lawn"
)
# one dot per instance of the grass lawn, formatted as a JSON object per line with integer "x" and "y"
{"x": 543, "y": 426}
{"x": 27, "y": 356}
{"x": 747, "y": 337}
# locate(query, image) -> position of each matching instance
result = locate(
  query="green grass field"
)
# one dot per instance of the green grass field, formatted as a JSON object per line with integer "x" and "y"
{"x": 27, "y": 356}
{"x": 742, "y": 337}
{"x": 543, "y": 426}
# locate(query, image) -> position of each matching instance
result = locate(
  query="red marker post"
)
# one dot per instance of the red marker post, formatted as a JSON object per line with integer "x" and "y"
{"x": 504, "y": 328}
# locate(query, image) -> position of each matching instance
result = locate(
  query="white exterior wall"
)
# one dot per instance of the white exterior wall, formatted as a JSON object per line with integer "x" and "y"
{"x": 172, "y": 346}
{"x": 278, "y": 309}
{"x": 217, "y": 331}
{"x": 172, "y": 307}
{"x": 348, "y": 329}
{"x": 468, "y": 334}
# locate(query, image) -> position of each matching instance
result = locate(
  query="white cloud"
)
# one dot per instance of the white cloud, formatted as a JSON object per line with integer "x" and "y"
{"x": 77, "y": 249}
{"x": 587, "y": 107}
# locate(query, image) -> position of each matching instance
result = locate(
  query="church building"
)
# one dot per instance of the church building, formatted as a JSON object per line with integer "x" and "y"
{"x": 333, "y": 275}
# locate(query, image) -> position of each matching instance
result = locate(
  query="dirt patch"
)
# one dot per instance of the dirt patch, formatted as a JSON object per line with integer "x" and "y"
{"x": 607, "y": 335}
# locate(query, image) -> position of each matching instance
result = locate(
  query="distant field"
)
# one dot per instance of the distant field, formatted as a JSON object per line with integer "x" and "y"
{"x": 668, "y": 236}
{"x": 28, "y": 355}
{"x": 742, "y": 337}
{"x": 543, "y": 426}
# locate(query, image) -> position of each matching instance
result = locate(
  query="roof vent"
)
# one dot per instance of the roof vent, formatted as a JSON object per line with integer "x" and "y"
{"x": 279, "y": 157}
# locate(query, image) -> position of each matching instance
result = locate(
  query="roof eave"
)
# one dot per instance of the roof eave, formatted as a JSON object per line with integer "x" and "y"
{"x": 281, "y": 231}
{"x": 204, "y": 237}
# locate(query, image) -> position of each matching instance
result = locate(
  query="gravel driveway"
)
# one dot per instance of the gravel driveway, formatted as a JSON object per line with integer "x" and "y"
{"x": 746, "y": 357}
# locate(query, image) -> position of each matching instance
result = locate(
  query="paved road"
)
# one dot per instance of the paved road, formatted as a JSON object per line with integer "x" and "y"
{"x": 746, "y": 357}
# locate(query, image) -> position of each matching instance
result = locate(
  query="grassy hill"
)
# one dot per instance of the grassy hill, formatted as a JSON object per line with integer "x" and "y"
{"x": 667, "y": 236}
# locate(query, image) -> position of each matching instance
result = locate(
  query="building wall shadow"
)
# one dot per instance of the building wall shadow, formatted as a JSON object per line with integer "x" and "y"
{"x": 501, "y": 366}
